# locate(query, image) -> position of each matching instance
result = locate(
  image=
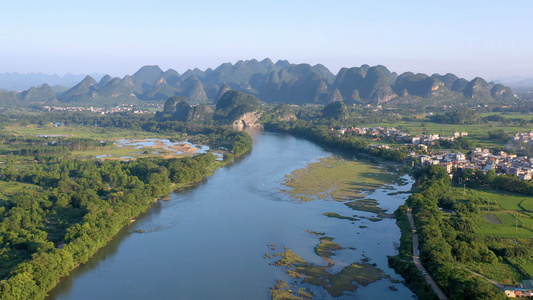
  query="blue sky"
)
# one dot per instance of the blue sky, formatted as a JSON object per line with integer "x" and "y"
{"x": 490, "y": 39}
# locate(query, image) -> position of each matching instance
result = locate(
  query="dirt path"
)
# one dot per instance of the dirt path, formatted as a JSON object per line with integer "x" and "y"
{"x": 498, "y": 285}
{"x": 416, "y": 259}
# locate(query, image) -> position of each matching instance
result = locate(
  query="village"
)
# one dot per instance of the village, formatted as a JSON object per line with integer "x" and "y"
{"x": 479, "y": 159}
{"x": 117, "y": 109}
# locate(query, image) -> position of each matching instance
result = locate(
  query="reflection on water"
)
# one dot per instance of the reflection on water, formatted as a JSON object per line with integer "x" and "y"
{"x": 209, "y": 241}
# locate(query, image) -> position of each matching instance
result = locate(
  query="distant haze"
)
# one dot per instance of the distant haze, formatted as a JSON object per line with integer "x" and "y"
{"x": 19, "y": 82}
{"x": 490, "y": 39}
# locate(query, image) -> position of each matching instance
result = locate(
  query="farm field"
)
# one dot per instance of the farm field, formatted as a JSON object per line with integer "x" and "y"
{"x": 502, "y": 214}
{"x": 506, "y": 218}
{"x": 506, "y": 200}
{"x": 92, "y": 132}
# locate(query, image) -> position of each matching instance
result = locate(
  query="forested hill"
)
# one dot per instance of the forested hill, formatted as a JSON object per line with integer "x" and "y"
{"x": 280, "y": 82}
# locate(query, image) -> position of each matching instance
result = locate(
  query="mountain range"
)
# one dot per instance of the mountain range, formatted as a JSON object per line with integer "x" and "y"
{"x": 280, "y": 82}
{"x": 19, "y": 82}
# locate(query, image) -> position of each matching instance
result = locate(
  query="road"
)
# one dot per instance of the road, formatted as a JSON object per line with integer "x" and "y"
{"x": 416, "y": 259}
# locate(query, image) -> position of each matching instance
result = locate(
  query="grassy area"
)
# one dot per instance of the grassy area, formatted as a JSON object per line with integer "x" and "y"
{"x": 526, "y": 204}
{"x": 336, "y": 215}
{"x": 283, "y": 291}
{"x": 506, "y": 221}
{"x": 510, "y": 115}
{"x": 500, "y": 272}
{"x": 369, "y": 205}
{"x": 506, "y": 200}
{"x": 502, "y": 214}
{"x": 288, "y": 258}
{"x": 92, "y": 132}
{"x": 326, "y": 247}
{"x": 9, "y": 188}
{"x": 528, "y": 267}
{"x": 333, "y": 178}
{"x": 513, "y": 225}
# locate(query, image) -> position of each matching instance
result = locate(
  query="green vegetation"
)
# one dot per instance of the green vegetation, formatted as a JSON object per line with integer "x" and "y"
{"x": 77, "y": 203}
{"x": 326, "y": 247}
{"x": 282, "y": 291}
{"x": 336, "y": 215}
{"x": 369, "y": 205}
{"x": 502, "y": 272}
{"x": 454, "y": 244}
{"x": 485, "y": 226}
{"x": 458, "y": 117}
{"x": 337, "y": 179}
{"x": 58, "y": 207}
{"x": 335, "y": 110}
{"x": 347, "y": 279}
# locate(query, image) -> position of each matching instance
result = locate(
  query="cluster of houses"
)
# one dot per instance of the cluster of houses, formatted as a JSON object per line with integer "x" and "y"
{"x": 399, "y": 136}
{"x": 376, "y": 132}
{"x": 525, "y": 290}
{"x": 103, "y": 111}
{"x": 479, "y": 159}
{"x": 482, "y": 159}
{"x": 526, "y": 137}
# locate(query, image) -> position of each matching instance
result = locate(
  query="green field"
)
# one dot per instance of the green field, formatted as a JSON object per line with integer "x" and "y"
{"x": 93, "y": 132}
{"x": 527, "y": 117}
{"x": 516, "y": 228}
{"x": 509, "y": 208}
{"x": 9, "y": 188}
{"x": 514, "y": 225}
{"x": 528, "y": 267}
{"x": 527, "y": 204}
{"x": 507, "y": 201}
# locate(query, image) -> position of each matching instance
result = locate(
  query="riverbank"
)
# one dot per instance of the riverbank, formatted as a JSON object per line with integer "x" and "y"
{"x": 83, "y": 208}
{"x": 208, "y": 242}
{"x": 448, "y": 242}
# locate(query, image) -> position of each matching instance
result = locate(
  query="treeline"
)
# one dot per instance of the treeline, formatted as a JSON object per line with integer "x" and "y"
{"x": 80, "y": 206}
{"x": 216, "y": 136}
{"x": 506, "y": 182}
{"x": 468, "y": 116}
{"x": 65, "y": 209}
{"x": 446, "y": 243}
{"x": 37, "y": 146}
{"x": 71, "y": 142}
{"x": 321, "y": 134}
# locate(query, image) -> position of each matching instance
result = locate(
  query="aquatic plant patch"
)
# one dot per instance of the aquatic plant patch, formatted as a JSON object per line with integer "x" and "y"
{"x": 348, "y": 279}
{"x": 334, "y": 178}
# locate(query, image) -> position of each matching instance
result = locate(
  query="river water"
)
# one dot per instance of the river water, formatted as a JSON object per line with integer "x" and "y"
{"x": 209, "y": 241}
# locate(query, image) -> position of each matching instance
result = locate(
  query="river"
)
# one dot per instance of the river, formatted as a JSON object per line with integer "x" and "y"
{"x": 209, "y": 241}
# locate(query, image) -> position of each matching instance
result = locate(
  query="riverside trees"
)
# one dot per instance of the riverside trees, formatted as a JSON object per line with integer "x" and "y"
{"x": 80, "y": 205}
{"x": 61, "y": 210}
